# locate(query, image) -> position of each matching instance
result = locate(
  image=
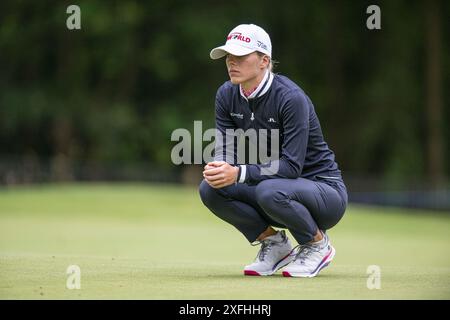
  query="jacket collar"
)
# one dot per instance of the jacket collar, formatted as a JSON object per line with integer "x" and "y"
{"x": 262, "y": 88}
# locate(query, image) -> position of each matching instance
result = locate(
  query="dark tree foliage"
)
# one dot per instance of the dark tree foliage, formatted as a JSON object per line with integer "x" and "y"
{"x": 113, "y": 92}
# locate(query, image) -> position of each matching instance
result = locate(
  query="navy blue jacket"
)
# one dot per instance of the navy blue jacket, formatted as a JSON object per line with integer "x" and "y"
{"x": 278, "y": 104}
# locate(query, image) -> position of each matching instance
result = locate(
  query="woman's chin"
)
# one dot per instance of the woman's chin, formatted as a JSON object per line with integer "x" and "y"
{"x": 235, "y": 80}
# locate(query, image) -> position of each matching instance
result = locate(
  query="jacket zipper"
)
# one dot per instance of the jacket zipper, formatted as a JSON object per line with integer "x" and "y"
{"x": 250, "y": 103}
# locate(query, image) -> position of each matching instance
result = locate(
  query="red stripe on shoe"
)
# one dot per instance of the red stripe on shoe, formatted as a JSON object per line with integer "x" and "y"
{"x": 251, "y": 273}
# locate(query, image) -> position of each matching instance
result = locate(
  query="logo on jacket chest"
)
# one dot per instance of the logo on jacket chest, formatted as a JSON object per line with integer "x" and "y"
{"x": 252, "y": 117}
{"x": 237, "y": 115}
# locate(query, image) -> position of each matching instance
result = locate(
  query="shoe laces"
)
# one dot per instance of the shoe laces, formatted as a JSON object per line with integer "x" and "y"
{"x": 266, "y": 245}
{"x": 305, "y": 251}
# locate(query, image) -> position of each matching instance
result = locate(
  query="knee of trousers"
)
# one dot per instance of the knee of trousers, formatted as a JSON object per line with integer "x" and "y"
{"x": 270, "y": 198}
{"x": 207, "y": 193}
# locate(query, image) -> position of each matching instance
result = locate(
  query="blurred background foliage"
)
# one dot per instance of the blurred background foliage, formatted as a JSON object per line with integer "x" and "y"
{"x": 102, "y": 102}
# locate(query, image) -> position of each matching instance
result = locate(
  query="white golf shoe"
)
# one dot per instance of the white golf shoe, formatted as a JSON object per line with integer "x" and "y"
{"x": 273, "y": 255}
{"x": 310, "y": 259}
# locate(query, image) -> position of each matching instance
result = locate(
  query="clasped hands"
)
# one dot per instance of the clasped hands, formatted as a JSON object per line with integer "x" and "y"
{"x": 219, "y": 174}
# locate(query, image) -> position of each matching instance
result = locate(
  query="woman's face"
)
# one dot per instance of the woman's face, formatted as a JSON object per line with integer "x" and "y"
{"x": 242, "y": 69}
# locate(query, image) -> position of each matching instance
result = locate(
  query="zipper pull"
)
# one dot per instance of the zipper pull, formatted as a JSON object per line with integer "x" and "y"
{"x": 253, "y": 117}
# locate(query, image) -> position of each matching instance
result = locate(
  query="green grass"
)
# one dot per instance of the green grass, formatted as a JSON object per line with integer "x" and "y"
{"x": 159, "y": 242}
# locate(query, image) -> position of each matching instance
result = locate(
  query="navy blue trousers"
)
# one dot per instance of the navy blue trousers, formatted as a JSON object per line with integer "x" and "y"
{"x": 300, "y": 205}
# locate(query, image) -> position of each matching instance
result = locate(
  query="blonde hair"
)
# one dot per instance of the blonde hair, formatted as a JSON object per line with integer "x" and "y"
{"x": 272, "y": 63}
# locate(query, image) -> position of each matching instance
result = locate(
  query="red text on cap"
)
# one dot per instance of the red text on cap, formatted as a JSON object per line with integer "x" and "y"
{"x": 238, "y": 36}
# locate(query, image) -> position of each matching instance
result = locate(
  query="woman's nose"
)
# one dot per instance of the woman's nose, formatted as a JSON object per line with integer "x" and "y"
{"x": 231, "y": 59}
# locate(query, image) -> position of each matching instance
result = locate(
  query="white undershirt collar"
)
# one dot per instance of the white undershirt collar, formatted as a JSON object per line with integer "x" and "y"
{"x": 262, "y": 88}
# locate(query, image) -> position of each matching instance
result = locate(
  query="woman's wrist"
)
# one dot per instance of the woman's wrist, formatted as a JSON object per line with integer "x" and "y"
{"x": 238, "y": 173}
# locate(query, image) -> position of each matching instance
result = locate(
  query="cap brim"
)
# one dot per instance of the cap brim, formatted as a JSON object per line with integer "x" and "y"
{"x": 233, "y": 49}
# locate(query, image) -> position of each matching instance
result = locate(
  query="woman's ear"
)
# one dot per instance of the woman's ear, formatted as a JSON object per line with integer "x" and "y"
{"x": 265, "y": 61}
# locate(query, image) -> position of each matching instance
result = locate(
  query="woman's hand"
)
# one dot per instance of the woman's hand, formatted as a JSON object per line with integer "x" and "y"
{"x": 219, "y": 174}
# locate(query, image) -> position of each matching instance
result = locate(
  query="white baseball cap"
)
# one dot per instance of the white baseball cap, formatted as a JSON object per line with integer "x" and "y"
{"x": 242, "y": 40}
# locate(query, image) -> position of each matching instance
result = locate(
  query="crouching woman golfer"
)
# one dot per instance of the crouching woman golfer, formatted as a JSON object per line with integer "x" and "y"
{"x": 306, "y": 195}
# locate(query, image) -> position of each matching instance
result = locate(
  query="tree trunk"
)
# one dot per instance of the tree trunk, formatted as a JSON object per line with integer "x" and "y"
{"x": 434, "y": 93}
